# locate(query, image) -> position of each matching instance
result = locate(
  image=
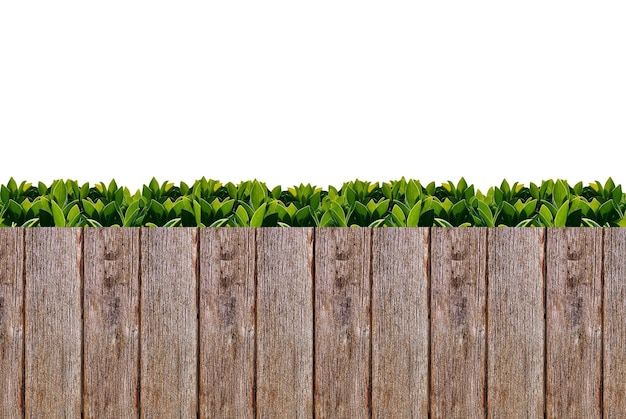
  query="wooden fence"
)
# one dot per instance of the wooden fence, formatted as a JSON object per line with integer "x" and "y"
{"x": 299, "y": 322}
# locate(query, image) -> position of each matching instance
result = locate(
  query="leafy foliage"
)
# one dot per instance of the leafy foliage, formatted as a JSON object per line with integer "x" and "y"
{"x": 402, "y": 203}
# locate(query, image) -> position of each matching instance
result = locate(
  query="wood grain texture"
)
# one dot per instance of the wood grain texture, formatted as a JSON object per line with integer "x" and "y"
{"x": 342, "y": 322}
{"x": 284, "y": 322}
{"x": 11, "y": 322}
{"x": 614, "y": 328}
{"x": 111, "y": 322}
{"x": 574, "y": 335}
{"x": 458, "y": 327}
{"x": 400, "y": 323}
{"x": 169, "y": 323}
{"x": 227, "y": 307}
{"x": 515, "y": 323}
{"x": 53, "y": 323}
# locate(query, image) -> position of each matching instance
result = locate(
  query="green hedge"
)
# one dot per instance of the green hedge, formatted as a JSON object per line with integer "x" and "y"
{"x": 402, "y": 203}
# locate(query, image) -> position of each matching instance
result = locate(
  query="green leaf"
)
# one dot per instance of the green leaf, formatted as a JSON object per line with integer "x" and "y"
{"x": 443, "y": 223}
{"x": 172, "y": 223}
{"x": 89, "y": 208}
{"x": 94, "y": 223}
{"x": 414, "y": 215}
{"x": 561, "y": 193}
{"x": 397, "y": 212}
{"x": 590, "y": 223}
{"x": 561, "y": 216}
{"x": 257, "y": 195}
{"x": 33, "y": 222}
{"x": 327, "y": 220}
{"x": 12, "y": 186}
{"x": 57, "y": 214}
{"x": 486, "y": 214}
{"x": 59, "y": 192}
{"x": 243, "y": 215}
{"x": 381, "y": 208}
{"x": 257, "y": 218}
{"x": 73, "y": 215}
{"x": 5, "y": 195}
{"x": 413, "y": 192}
{"x": 339, "y": 215}
{"x": 605, "y": 211}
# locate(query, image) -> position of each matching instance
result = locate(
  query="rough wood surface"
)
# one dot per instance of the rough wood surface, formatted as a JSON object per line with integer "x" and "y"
{"x": 284, "y": 322}
{"x": 111, "y": 322}
{"x": 515, "y": 323}
{"x": 400, "y": 323}
{"x": 458, "y": 327}
{"x": 53, "y": 324}
{"x": 342, "y": 322}
{"x": 614, "y": 380}
{"x": 169, "y": 324}
{"x": 573, "y": 304}
{"x": 11, "y": 322}
{"x": 227, "y": 323}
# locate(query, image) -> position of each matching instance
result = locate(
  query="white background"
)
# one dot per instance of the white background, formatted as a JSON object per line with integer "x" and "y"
{"x": 319, "y": 92}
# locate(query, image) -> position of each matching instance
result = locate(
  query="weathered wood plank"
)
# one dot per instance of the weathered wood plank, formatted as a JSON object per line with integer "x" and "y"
{"x": 574, "y": 334}
{"x": 53, "y": 322}
{"x": 400, "y": 323}
{"x": 614, "y": 380}
{"x": 284, "y": 322}
{"x": 11, "y": 322}
{"x": 227, "y": 308}
{"x": 458, "y": 327}
{"x": 169, "y": 323}
{"x": 515, "y": 323}
{"x": 342, "y": 322}
{"x": 111, "y": 322}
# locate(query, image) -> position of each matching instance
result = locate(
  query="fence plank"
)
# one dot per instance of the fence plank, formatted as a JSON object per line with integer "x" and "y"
{"x": 400, "y": 323}
{"x": 614, "y": 380}
{"x": 342, "y": 322}
{"x": 169, "y": 324}
{"x": 111, "y": 325}
{"x": 53, "y": 322}
{"x": 284, "y": 322}
{"x": 11, "y": 322}
{"x": 515, "y": 323}
{"x": 458, "y": 330}
{"x": 227, "y": 323}
{"x": 573, "y": 304}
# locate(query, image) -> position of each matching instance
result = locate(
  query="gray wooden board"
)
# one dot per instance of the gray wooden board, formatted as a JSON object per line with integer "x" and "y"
{"x": 614, "y": 330}
{"x": 515, "y": 323}
{"x": 227, "y": 308}
{"x": 53, "y": 324}
{"x": 342, "y": 322}
{"x": 169, "y": 323}
{"x": 458, "y": 325}
{"x": 111, "y": 322}
{"x": 400, "y": 323}
{"x": 11, "y": 322}
{"x": 574, "y": 325}
{"x": 284, "y": 323}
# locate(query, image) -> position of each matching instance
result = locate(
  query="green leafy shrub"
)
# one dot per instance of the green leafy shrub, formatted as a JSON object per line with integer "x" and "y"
{"x": 402, "y": 203}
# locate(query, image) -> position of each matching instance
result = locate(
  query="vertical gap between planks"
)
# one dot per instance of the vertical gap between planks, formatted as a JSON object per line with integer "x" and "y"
{"x": 23, "y": 395}
{"x": 371, "y": 323}
{"x": 198, "y": 319}
{"x": 81, "y": 234}
{"x": 486, "y": 370}
{"x": 544, "y": 273}
{"x": 602, "y": 258}
{"x": 312, "y": 268}
{"x": 139, "y": 308}
{"x": 254, "y": 236}
{"x": 429, "y": 239}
